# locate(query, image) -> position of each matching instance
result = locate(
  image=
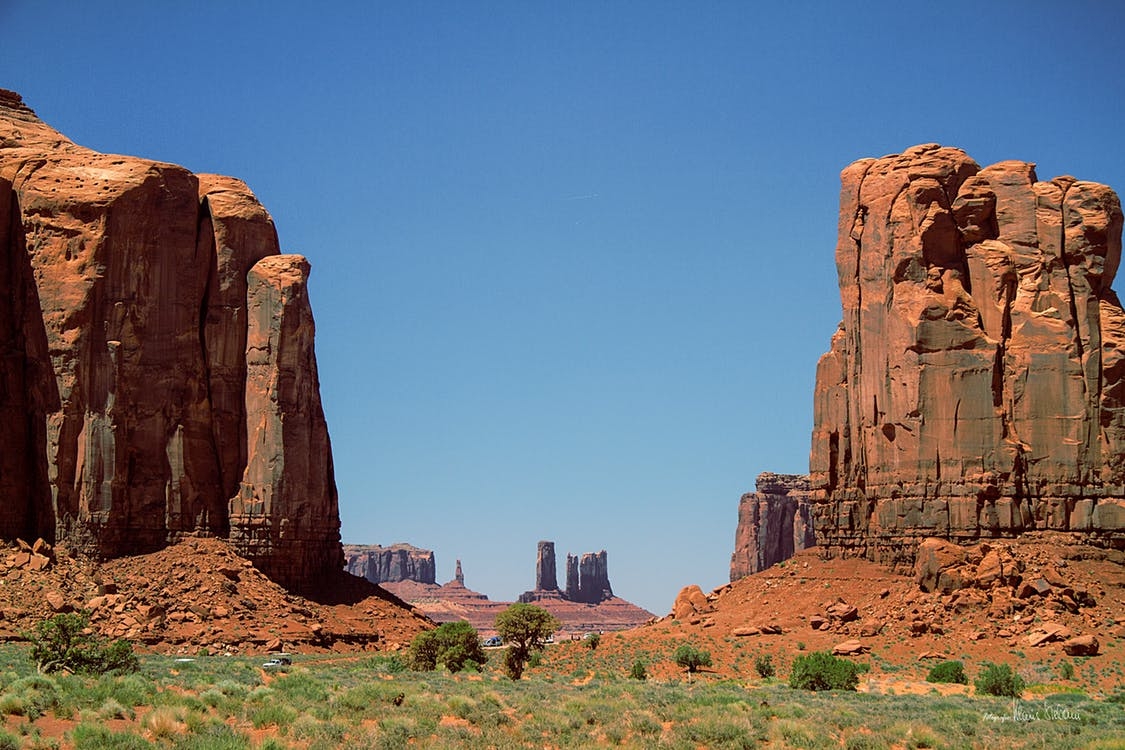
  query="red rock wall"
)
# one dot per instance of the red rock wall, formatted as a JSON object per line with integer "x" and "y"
{"x": 124, "y": 392}
{"x": 774, "y": 523}
{"x": 976, "y": 385}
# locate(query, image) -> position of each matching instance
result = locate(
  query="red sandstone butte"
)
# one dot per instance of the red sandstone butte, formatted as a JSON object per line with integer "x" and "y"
{"x": 152, "y": 343}
{"x": 976, "y": 385}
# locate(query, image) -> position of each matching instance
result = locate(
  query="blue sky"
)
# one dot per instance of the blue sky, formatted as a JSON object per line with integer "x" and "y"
{"x": 572, "y": 262}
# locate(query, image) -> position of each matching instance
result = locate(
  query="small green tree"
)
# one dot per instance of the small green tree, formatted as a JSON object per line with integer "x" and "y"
{"x": 764, "y": 666}
{"x": 453, "y": 645}
{"x": 948, "y": 671}
{"x": 592, "y": 640}
{"x": 64, "y": 642}
{"x": 821, "y": 670}
{"x": 525, "y": 628}
{"x": 638, "y": 672}
{"x": 999, "y": 679}
{"x": 691, "y": 658}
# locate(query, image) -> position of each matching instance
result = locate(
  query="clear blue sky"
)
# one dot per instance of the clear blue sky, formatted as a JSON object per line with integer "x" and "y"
{"x": 572, "y": 262}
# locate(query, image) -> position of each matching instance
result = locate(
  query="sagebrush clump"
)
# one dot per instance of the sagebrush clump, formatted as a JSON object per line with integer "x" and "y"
{"x": 821, "y": 670}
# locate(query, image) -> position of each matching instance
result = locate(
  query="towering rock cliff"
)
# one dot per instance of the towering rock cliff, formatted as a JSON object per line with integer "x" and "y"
{"x": 976, "y": 386}
{"x": 399, "y": 562}
{"x": 774, "y": 523}
{"x": 546, "y": 572}
{"x": 157, "y": 373}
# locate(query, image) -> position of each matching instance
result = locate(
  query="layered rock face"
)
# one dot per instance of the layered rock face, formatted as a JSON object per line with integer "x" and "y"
{"x": 399, "y": 562}
{"x": 157, "y": 372}
{"x": 773, "y": 523}
{"x": 976, "y": 386}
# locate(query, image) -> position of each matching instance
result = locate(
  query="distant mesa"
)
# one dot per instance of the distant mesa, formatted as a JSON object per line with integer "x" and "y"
{"x": 399, "y": 562}
{"x": 587, "y": 604}
{"x": 975, "y": 387}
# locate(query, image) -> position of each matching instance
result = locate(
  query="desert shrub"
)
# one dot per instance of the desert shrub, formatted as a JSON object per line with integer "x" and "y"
{"x": 213, "y": 736}
{"x": 1066, "y": 669}
{"x": 9, "y": 741}
{"x": 164, "y": 722}
{"x": 764, "y": 666}
{"x": 691, "y": 658}
{"x": 97, "y": 737}
{"x": 638, "y": 671}
{"x": 948, "y": 671}
{"x": 299, "y": 689}
{"x": 593, "y": 640}
{"x": 275, "y": 714}
{"x": 111, "y": 708}
{"x": 452, "y": 645}
{"x": 385, "y": 664}
{"x": 64, "y": 642}
{"x": 525, "y": 628}
{"x": 999, "y": 679}
{"x": 30, "y": 696}
{"x": 821, "y": 670}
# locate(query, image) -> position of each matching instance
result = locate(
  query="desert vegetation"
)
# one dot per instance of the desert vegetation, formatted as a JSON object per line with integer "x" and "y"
{"x": 575, "y": 697}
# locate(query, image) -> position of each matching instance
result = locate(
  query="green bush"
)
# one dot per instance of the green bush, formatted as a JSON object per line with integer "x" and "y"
{"x": 821, "y": 670}
{"x": 65, "y": 642}
{"x": 948, "y": 671}
{"x": 691, "y": 658}
{"x": 764, "y": 666}
{"x": 1066, "y": 669}
{"x": 999, "y": 679}
{"x": 9, "y": 741}
{"x": 452, "y": 645}
{"x": 592, "y": 641}
{"x": 638, "y": 672}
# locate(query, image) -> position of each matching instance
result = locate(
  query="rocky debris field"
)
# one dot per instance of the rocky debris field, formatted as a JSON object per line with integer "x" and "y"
{"x": 1053, "y": 598}
{"x": 198, "y": 596}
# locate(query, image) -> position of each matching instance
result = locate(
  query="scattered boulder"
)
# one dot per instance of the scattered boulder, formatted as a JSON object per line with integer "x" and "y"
{"x": 1081, "y": 645}
{"x": 690, "y": 601}
{"x": 843, "y": 612}
{"x": 1046, "y": 633}
{"x": 871, "y": 627}
{"x": 849, "y": 648}
{"x": 56, "y": 601}
{"x": 937, "y": 565}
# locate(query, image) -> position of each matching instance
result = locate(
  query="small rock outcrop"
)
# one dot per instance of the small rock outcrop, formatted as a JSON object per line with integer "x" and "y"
{"x": 773, "y": 523}
{"x": 399, "y": 562}
{"x": 976, "y": 385}
{"x": 157, "y": 373}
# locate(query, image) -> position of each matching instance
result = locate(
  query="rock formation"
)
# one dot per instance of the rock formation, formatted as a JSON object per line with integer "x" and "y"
{"x": 157, "y": 377}
{"x": 546, "y": 574}
{"x": 587, "y": 577}
{"x": 399, "y": 562}
{"x": 773, "y": 523}
{"x": 592, "y": 582}
{"x": 976, "y": 386}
